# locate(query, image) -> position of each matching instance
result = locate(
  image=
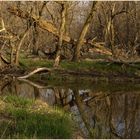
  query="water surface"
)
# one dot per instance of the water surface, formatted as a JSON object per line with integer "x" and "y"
{"x": 100, "y": 109}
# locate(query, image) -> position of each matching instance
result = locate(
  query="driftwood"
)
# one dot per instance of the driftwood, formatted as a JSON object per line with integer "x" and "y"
{"x": 34, "y": 84}
{"x": 61, "y": 71}
{"x": 34, "y": 72}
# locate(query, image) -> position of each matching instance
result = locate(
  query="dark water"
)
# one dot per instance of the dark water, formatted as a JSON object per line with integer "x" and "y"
{"x": 100, "y": 109}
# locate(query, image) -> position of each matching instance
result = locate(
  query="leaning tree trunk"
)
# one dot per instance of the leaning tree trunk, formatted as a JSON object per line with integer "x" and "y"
{"x": 45, "y": 25}
{"x": 83, "y": 33}
{"x": 61, "y": 33}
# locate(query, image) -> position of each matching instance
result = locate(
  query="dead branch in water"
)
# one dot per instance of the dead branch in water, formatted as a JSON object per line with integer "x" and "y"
{"x": 34, "y": 72}
{"x": 34, "y": 84}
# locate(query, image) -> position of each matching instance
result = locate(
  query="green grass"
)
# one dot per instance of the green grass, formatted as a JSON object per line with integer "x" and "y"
{"x": 33, "y": 119}
{"x": 18, "y": 101}
{"x": 30, "y": 63}
{"x": 86, "y": 67}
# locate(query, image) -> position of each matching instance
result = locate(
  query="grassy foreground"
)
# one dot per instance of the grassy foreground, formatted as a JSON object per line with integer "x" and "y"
{"x": 25, "y": 118}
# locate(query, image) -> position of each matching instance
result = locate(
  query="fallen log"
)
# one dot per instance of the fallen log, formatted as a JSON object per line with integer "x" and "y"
{"x": 44, "y": 24}
{"x": 123, "y": 61}
{"x": 47, "y": 25}
{"x": 34, "y": 72}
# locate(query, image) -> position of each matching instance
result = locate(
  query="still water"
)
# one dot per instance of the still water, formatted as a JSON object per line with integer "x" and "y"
{"x": 100, "y": 109}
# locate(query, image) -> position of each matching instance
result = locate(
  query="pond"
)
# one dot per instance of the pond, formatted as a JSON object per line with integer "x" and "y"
{"x": 100, "y": 109}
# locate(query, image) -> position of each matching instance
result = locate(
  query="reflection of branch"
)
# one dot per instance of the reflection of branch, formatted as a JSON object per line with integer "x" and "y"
{"x": 126, "y": 115}
{"x": 80, "y": 106}
{"x": 132, "y": 124}
{"x": 99, "y": 96}
{"x": 112, "y": 129}
{"x": 34, "y": 84}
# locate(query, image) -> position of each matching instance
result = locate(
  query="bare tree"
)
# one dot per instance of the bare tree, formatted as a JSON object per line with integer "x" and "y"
{"x": 83, "y": 33}
{"x": 109, "y": 29}
{"x": 61, "y": 33}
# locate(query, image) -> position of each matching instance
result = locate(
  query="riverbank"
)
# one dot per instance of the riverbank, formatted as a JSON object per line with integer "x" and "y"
{"x": 26, "y": 118}
{"x": 67, "y": 69}
{"x": 86, "y": 68}
{"x": 62, "y": 90}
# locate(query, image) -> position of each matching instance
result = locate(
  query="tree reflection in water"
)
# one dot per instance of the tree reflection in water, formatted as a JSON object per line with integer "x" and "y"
{"x": 98, "y": 113}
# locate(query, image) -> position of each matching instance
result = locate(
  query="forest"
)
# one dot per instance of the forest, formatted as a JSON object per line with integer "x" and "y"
{"x": 79, "y": 50}
{"x": 70, "y": 31}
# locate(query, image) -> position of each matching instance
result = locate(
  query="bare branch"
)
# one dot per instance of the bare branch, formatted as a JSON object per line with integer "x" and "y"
{"x": 118, "y": 13}
{"x": 3, "y": 26}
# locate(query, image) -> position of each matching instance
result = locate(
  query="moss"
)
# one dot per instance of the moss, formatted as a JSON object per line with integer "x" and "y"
{"x": 33, "y": 119}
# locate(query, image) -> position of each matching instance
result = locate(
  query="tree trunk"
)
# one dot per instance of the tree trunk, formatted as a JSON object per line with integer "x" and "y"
{"x": 12, "y": 53}
{"x": 35, "y": 37}
{"x": 35, "y": 30}
{"x": 19, "y": 46}
{"x": 107, "y": 33}
{"x": 46, "y": 25}
{"x": 61, "y": 33}
{"x": 112, "y": 39}
{"x": 127, "y": 26}
{"x": 110, "y": 36}
{"x": 83, "y": 33}
{"x": 80, "y": 106}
